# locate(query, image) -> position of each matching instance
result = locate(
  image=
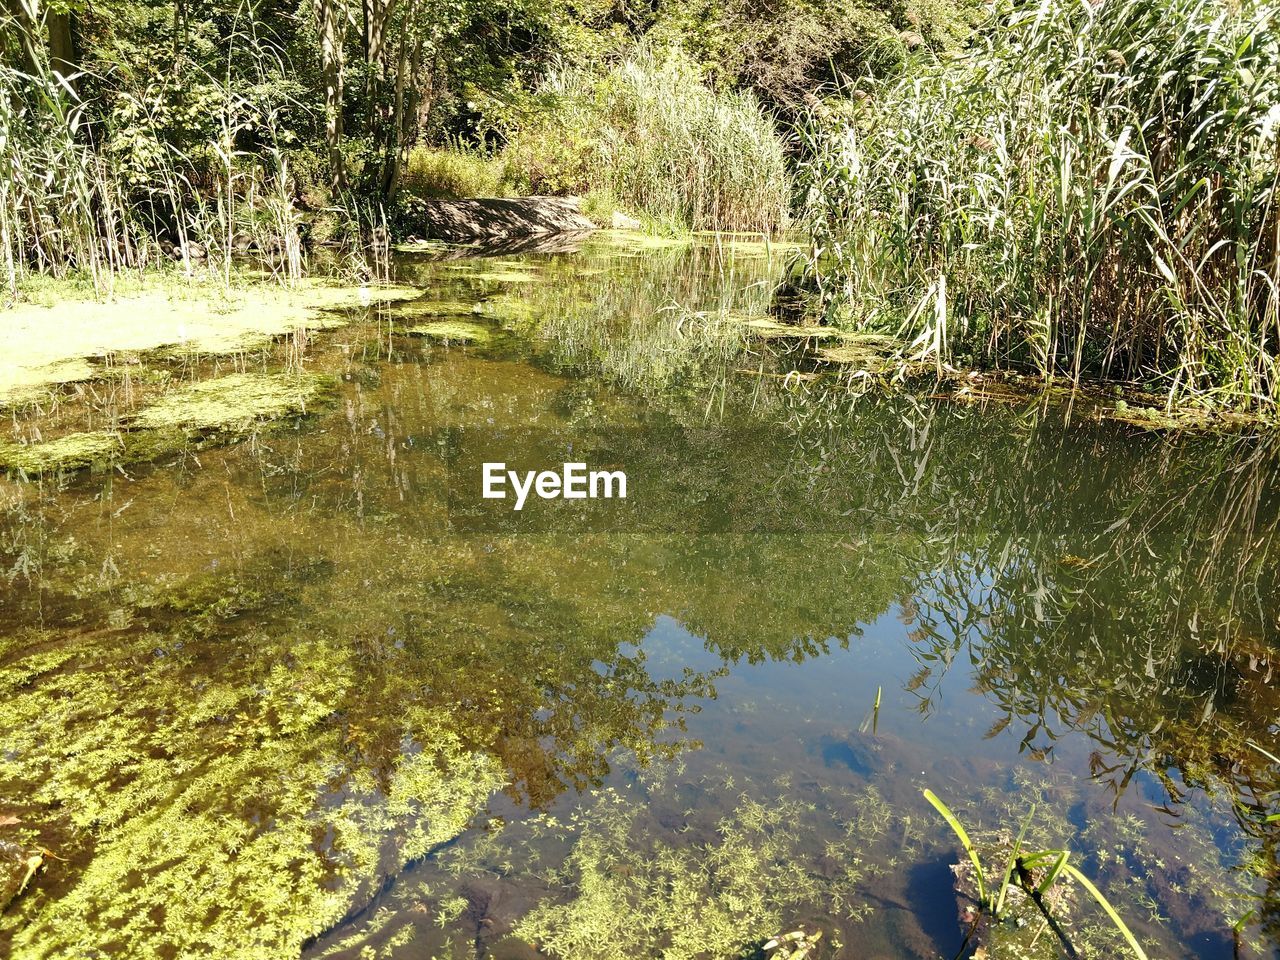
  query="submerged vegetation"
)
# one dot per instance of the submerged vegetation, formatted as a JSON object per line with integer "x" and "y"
{"x": 313, "y": 602}
{"x": 1034, "y": 874}
{"x": 1089, "y": 190}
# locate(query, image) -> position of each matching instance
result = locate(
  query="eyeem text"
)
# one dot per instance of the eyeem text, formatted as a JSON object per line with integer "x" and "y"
{"x": 573, "y": 482}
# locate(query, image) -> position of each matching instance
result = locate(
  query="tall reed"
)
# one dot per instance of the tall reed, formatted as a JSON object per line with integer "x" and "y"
{"x": 649, "y": 132}
{"x": 70, "y": 201}
{"x": 1091, "y": 190}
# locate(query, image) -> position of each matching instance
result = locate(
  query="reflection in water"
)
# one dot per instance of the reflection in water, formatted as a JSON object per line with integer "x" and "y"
{"x": 278, "y": 695}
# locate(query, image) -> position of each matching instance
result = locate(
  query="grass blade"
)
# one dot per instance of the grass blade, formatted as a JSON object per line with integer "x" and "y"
{"x": 959, "y": 831}
{"x": 1110, "y": 911}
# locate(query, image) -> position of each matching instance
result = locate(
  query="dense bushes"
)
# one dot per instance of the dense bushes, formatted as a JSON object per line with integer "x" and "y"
{"x": 1092, "y": 189}
{"x": 785, "y": 51}
{"x": 649, "y": 132}
{"x": 455, "y": 171}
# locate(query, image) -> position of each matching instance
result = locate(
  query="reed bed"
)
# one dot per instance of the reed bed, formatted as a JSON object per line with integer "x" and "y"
{"x": 651, "y": 134}
{"x": 71, "y": 200}
{"x": 1089, "y": 191}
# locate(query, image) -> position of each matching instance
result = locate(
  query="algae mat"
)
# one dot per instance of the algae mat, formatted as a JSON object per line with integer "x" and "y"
{"x": 42, "y": 346}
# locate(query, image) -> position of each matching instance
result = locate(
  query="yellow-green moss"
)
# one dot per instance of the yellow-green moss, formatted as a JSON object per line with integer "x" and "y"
{"x": 72, "y": 452}
{"x": 232, "y": 401}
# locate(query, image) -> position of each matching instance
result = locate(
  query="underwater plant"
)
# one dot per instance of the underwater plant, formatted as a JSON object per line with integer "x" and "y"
{"x": 1019, "y": 870}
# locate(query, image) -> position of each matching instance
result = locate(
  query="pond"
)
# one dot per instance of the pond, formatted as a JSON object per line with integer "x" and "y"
{"x": 301, "y": 690}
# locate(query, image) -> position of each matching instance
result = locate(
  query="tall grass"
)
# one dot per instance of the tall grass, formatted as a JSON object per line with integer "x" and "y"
{"x": 91, "y": 183}
{"x": 1091, "y": 190}
{"x": 59, "y": 205}
{"x": 457, "y": 171}
{"x": 649, "y": 132}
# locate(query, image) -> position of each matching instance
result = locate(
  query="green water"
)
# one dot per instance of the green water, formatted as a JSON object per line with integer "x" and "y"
{"x": 306, "y": 693}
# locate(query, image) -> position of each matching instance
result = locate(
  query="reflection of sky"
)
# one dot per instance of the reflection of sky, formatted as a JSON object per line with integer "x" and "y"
{"x": 811, "y": 723}
{"x": 802, "y": 706}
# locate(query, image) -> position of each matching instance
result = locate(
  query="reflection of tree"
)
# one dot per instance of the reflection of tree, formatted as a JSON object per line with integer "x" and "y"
{"x": 299, "y": 723}
{"x": 1124, "y": 597}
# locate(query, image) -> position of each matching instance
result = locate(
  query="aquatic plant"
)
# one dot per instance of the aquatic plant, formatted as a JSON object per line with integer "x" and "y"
{"x": 456, "y": 331}
{"x": 1090, "y": 191}
{"x": 233, "y": 401}
{"x": 616, "y": 884}
{"x": 1053, "y": 863}
{"x": 248, "y": 849}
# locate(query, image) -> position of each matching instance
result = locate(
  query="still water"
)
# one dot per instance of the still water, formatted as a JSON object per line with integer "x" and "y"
{"x": 305, "y": 693}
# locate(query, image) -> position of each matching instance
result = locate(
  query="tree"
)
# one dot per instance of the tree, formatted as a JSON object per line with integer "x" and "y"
{"x": 331, "y": 19}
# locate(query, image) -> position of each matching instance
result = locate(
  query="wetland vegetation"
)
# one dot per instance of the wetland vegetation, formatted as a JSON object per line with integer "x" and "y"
{"x": 916, "y": 520}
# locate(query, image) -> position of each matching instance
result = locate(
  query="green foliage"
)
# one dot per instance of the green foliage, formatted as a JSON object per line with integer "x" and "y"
{"x": 1091, "y": 190}
{"x": 455, "y": 172}
{"x": 650, "y": 133}
{"x": 786, "y": 51}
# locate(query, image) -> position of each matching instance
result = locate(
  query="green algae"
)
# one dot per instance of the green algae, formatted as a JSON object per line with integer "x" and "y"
{"x": 635, "y": 893}
{"x": 470, "y": 268}
{"x": 770, "y": 329}
{"x": 434, "y": 308}
{"x": 504, "y": 276}
{"x": 454, "y": 331}
{"x": 507, "y": 308}
{"x": 218, "y": 409}
{"x": 866, "y": 352}
{"x": 233, "y": 401}
{"x": 246, "y": 851}
{"x": 636, "y": 241}
{"x": 71, "y": 452}
{"x": 420, "y": 246}
{"x": 42, "y": 346}
{"x": 750, "y": 245}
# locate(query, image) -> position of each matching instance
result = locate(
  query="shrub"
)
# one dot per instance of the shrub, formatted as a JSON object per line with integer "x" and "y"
{"x": 649, "y": 132}
{"x": 455, "y": 172}
{"x": 1091, "y": 190}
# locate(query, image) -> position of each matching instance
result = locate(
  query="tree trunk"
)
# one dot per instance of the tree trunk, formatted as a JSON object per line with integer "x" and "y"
{"x": 331, "y": 25}
{"x": 26, "y": 18}
{"x": 407, "y": 65}
{"x": 61, "y": 50}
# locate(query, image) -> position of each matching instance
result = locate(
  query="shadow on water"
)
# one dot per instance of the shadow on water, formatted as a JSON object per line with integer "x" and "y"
{"x": 937, "y": 916}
